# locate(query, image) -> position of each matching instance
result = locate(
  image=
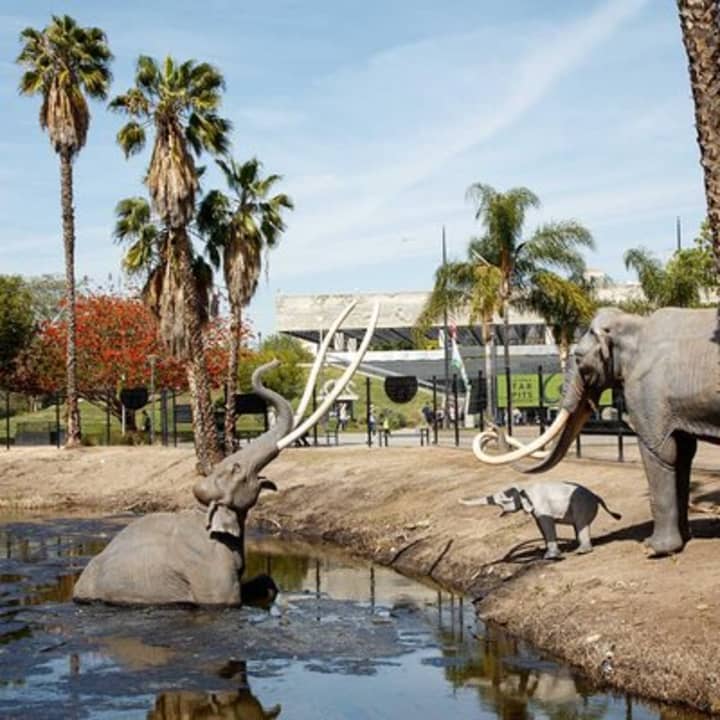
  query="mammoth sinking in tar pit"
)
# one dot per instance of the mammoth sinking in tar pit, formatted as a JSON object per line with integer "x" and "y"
{"x": 198, "y": 556}
{"x": 560, "y": 503}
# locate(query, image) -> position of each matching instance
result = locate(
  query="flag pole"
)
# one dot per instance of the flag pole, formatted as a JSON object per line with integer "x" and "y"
{"x": 446, "y": 403}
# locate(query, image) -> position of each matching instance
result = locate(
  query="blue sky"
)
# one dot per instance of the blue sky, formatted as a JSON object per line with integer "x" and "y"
{"x": 380, "y": 114}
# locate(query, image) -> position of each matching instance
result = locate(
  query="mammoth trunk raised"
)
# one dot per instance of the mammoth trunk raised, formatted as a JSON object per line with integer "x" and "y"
{"x": 197, "y": 556}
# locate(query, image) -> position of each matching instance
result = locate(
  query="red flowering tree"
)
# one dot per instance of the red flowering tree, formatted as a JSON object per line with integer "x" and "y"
{"x": 116, "y": 336}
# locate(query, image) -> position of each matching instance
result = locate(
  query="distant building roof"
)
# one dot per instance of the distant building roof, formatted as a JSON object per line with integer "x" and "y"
{"x": 308, "y": 316}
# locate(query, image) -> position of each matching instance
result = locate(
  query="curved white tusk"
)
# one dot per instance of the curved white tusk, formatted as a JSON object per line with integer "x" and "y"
{"x": 322, "y": 351}
{"x": 539, "y": 455}
{"x": 339, "y": 386}
{"x": 524, "y": 451}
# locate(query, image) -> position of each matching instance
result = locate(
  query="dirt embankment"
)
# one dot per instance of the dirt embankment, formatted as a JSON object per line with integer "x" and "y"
{"x": 648, "y": 626}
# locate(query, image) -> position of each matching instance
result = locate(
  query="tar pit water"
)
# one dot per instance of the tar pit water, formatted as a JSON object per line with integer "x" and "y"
{"x": 344, "y": 639}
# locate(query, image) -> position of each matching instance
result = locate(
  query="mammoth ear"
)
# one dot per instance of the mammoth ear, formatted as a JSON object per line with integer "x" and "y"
{"x": 266, "y": 484}
{"x": 603, "y": 337}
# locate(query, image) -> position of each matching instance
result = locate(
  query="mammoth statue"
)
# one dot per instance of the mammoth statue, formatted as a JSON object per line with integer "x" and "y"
{"x": 668, "y": 365}
{"x": 197, "y": 556}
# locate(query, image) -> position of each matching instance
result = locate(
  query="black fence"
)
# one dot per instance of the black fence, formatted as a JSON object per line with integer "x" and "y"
{"x": 165, "y": 417}
{"x": 133, "y": 416}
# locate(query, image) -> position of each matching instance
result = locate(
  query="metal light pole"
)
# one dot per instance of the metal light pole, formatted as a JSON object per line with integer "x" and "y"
{"x": 152, "y": 359}
{"x": 446, "y": 403}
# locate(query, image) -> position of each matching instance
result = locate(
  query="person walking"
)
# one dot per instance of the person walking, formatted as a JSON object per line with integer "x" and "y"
{"x": 386, "y": 427}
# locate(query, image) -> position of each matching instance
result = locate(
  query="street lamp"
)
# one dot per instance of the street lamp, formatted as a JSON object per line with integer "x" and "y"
{"x": 446, "y": 344}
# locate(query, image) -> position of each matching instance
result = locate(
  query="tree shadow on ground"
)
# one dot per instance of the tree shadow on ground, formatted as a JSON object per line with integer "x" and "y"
{"x": 710, "y": 497}
{"x": 700, "y": 528}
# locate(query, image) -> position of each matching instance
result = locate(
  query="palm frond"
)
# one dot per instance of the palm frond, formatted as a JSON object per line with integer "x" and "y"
{"x": 131, "y": 138}
{"x": 452, "y": 290}
{"x": 244, "y": 226}
{"x": 132, "y": 215}
{"x": 565, "y": 306}
{"x": 65, "y": 63}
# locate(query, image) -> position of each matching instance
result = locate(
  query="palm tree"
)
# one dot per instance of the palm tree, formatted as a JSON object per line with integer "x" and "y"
{"x": 179, "y": 100}
{"x": 680, "y": 283}
{"x": 700, "y": 23}
{"x": 566, "y": 305}
{"x": 503, "y": 245}
{"x": 148, "y": 257}
{"x": 241, "y": 228}
{"x": 472, "y": 286}
{"x": 65, "y": 63}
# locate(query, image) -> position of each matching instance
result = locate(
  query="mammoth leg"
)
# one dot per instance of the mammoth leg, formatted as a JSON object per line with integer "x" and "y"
{"x": 686, "y": 447}
{"x": 547, "y": 529}
{"x": 662, "y": 483}
{"x": 583, "y": 538}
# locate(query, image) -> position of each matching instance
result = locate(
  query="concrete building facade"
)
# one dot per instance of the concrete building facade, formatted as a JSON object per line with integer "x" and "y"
{"x": 531, "y": 343}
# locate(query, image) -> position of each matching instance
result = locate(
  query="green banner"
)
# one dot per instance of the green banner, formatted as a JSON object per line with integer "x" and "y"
{"x": 525, "y": 391}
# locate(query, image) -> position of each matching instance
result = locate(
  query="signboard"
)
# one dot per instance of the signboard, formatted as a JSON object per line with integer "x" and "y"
{"x": 249, "y": 404}
{"x": 525, "y": 391}
{"x": 478, "y": 398}
{"x": 134, "y": 398}
{"x": 183, "y": 414}
{"x": 401, "y": 389}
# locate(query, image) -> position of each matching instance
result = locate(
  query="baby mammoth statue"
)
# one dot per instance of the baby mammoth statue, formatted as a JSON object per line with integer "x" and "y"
{"x": 563, "y": 503}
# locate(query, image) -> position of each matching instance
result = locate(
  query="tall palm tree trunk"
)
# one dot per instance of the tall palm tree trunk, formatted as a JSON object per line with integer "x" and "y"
{"x": 72, "y": 432}
{"x": 700, "y": 22}
{"x": 232, "y": 373}
{"x": 489, "y": 342}
{"x": 206, "y": 444}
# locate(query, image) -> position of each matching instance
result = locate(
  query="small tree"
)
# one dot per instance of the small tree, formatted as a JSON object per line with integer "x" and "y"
{"x": 679, "y": 283}
{"x": 288, "y": 378}
{"x": 116, "y": 336}
{"x": 47, "y": 292}
{"x": 16, "y": 322}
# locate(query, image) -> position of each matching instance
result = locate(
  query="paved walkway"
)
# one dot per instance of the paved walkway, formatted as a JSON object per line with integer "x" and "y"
{"x": 592, "y": 447}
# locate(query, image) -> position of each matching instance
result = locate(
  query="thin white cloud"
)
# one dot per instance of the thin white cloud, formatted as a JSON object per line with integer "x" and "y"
{"x": 268, "y": 119}
{"x": 479, "y": 107}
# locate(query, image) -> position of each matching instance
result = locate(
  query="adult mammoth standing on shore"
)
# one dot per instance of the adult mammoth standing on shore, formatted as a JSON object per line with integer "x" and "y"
{"x": 198, "y": 556}
{"x": 668, "y": 365}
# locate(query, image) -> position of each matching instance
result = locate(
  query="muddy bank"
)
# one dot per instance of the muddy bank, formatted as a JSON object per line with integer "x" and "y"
{"x": 651, "y": 627}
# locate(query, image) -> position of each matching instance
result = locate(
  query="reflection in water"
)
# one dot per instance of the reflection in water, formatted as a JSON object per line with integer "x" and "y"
{"x": 393, "y": 647}
{"x": 238, "y": 704}
{"x": 228, "y": 705}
